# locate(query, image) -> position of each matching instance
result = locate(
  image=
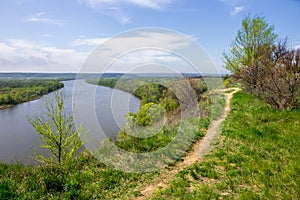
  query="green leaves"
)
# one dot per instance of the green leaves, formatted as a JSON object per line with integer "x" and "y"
{"x": 250, "y": 43}
{"x": 56, "y": 132}
{"x": 17, "y": 91}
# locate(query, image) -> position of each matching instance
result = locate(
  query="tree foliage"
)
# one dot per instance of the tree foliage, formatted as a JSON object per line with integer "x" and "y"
{"x": 250, "y": 43}
{"x": 148, "y": 114}
{"x": 268, "y": 70}
{"x": 18, "y": 91}
{"x": 56, "y": 132}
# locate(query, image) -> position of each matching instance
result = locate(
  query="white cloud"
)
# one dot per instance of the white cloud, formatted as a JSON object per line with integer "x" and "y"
{"x": 147, "y": 47}
{"x": 235, "y": 5}
{"x": 41, "y": 18}
{"x": 88, "y": 41}
{"x": 297, "y": 46}
{"x": 113, "y": 49}
{"x": 236, "y": 10}
{"x": 169, "y": 41}
{"x": 125, "y": 20}
{"x": 145, "y": 56}
{"x": 123, "y": 53}
{"x": 153, "y": 4}
{"x": 114, "y": 8}
{"x": 22, "y": 55}
{"x": 149, "y": 61}
{"x": 234, "y": 2}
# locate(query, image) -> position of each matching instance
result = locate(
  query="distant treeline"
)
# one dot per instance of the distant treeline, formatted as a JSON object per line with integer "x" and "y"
{"x": 156, "y": 90}
{"x": 13, "y": 92}
{"x": 72, "y": 76}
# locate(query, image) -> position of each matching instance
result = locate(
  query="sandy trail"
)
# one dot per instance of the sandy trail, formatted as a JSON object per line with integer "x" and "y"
{"x": 199, "y": 150}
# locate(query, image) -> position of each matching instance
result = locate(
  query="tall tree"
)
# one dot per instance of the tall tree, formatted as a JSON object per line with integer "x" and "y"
{"x": 56, "y": 132}
{"x": 254, "y": 37}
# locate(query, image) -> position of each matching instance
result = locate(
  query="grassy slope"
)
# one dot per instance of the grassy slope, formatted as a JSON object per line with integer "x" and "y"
{"x": 82, "y": 178}
{"x": 257, "y": 158}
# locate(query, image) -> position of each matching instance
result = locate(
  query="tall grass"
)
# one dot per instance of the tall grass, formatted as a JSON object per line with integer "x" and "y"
{"x": 82, "y": 178}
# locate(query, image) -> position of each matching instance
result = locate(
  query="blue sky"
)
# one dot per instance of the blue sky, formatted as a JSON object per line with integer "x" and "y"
{"x": 58, "y": 35}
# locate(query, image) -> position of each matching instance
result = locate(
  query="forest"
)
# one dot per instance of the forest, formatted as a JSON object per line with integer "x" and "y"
{"x": 13, "y": 92}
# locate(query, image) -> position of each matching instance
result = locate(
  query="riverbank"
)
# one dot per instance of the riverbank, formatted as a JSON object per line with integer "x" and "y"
{"x": 6, "y": 106}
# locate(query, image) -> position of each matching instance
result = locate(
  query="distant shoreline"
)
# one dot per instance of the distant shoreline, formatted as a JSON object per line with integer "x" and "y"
{"x": 17, "y": 91}
{"x": 72, "y": 76}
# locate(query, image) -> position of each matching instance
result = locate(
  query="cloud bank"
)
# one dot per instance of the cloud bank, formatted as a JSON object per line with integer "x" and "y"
{"x": 40, "y": 17}
{"x": 236, "y": 10}
{"x": 26, "y": 56}
{"x": 115, "y": 8}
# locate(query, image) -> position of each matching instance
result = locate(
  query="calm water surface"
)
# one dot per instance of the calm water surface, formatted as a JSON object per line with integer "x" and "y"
{"x": 17, "y": 135}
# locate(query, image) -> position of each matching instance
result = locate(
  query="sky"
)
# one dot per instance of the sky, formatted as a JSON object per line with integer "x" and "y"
{"x": 61, "y": 35}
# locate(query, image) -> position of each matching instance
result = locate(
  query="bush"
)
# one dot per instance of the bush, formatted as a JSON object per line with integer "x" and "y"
{"x": 276, "y": 77}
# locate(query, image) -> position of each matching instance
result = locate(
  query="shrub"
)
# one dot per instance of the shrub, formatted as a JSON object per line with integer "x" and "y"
{"x": 276, "y": 77}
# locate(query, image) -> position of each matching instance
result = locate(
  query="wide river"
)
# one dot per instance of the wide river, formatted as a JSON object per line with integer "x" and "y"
{"x": 17, "y": 135}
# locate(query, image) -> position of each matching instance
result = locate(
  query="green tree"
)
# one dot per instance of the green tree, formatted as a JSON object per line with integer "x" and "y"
{"x": 254, "y": 37}
{"x": 56, "y": 132}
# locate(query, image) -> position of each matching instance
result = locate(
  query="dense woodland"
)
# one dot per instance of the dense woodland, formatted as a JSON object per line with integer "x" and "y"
{"x": 13, "y": 92}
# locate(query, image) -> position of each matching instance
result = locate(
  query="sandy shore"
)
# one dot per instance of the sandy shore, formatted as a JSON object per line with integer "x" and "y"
{"x": 6, "y": 106}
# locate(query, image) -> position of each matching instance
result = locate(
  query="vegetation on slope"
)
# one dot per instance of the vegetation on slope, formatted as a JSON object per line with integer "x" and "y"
{"x": 85, "y": 177}
{"x": 157, "y": 95}
{"x": 156, "y": 90}
{"x": 81, "y": 178}
{"x": 257, "y": 157}
{"x": 13, "y": 92}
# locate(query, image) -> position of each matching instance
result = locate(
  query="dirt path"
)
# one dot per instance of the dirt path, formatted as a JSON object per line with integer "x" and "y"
{"x": 199, "y": 150}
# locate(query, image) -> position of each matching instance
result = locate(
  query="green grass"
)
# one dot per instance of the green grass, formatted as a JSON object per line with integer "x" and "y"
{"x": 82, "y": 178}
{"x": 217, "y": 105}
{"x": 256, "y": 158}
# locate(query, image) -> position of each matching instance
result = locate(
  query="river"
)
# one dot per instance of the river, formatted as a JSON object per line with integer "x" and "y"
{"x": 17, "y": 135}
